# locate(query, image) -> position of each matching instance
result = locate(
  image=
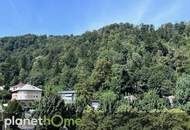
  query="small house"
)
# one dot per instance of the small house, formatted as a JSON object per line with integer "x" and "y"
{"x": 25, "y": 92}
{"x": 68, "y": 96}
{"x": 95, "y": 104}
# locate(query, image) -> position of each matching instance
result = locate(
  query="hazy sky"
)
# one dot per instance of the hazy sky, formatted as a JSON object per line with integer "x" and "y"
{"x": 59, "y": 17}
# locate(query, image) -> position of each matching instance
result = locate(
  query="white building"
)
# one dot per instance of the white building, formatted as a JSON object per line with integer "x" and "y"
{"x": 2, "y": 87}
{"x": 68, "y": 96}
{"x": 25, "y": 92}
{"x": 130, "y": 98}
{"x": 171, "y": 99}
{"x": 95, "y": 104}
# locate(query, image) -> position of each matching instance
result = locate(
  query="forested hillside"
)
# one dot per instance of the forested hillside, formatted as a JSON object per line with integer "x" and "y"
{"x": 105, "y": 64}
{"x": 121, "y": 57}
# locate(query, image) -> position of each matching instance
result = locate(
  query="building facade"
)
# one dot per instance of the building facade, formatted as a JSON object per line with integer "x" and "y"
{"x": 95, "y": 104}
{"x": 68, "y": 96}
{"x": 25, "y": 92}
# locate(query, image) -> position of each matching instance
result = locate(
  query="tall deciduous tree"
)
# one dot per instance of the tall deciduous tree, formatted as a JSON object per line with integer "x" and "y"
{"x": 183, "y": 88}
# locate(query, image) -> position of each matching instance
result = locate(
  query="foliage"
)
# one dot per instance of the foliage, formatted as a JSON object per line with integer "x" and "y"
{"x": 108, "y": 100}
{"x": 49, "y": 106}
{"x": 106, "y": 64}
{"x": 14, "y": 109}
{"x": 5, "y": 95}
{"x": 183, "y": 89}
{"x": 151, "y": 101}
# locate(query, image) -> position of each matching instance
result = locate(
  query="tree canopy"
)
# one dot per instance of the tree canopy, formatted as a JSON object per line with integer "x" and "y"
{"x": 106, "y": 64}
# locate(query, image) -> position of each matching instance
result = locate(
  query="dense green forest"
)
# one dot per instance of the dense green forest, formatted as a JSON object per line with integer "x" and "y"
{"x": 108, "y": 64}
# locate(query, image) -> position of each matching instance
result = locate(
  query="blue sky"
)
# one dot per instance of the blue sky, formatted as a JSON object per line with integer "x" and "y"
{"x": 59, "y": 17}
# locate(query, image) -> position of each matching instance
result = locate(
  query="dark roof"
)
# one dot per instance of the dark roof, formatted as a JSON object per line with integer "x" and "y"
{"x": 65, "y": 92}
